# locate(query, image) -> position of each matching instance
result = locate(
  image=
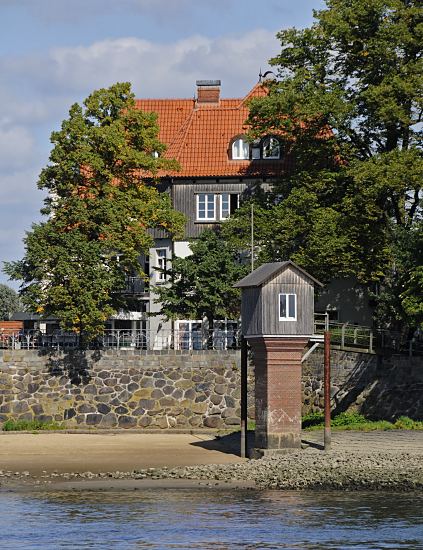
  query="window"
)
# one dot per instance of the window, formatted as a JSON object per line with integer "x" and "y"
{"x": 240, "y": 149}
{"x": 188, "y": 335}
{"x": 229, "y": 202}
{"x": 287, "y": 307}
{"x": 206, "y": 206}
{"x": 271, "y": 148}
{"x": 162, "y": 263}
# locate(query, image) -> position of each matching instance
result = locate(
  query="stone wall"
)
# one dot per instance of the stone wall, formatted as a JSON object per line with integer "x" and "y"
{"x": 198, "y": 390}
{"x": 122, "y": 389}
{"x": 378, "y": 387}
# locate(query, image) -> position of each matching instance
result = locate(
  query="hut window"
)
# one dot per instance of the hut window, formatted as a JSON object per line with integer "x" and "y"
{"x": 287, "y": 307}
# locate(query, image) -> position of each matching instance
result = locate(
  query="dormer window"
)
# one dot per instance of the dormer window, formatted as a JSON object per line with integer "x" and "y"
{"x": 240, "y": 149}
{"x": 271, "y": 148}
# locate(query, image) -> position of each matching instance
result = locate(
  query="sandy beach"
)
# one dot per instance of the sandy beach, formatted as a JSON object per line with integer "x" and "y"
{"x": 110, "y": 452}
{"x": 128, "y": 461}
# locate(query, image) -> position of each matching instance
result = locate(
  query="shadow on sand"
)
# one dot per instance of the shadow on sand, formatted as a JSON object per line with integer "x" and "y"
{"x": 231, "y": 443}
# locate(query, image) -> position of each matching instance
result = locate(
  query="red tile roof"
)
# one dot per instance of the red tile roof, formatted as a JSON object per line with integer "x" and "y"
{"x": 199, "y": 136}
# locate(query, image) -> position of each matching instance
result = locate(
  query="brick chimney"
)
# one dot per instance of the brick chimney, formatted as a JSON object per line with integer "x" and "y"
{"x": 208, "y": 92}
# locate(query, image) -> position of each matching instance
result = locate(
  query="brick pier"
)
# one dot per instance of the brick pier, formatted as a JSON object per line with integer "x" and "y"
{"x": 278, "y": 391}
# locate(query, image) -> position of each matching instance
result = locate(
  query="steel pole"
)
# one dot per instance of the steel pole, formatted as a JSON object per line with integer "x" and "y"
{"x": 327, "y": 436}
{"x": 252, "y": 237}
{"x": 244, "y": 413}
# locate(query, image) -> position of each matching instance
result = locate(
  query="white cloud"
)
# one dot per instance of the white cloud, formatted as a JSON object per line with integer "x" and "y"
{"x": 162, "y": 69}
{"x": 156, "y": 69}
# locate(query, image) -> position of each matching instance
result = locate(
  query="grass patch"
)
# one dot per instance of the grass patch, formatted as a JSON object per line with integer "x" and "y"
{"x": 30, "y": 425}
{"x": 357, "y": 421}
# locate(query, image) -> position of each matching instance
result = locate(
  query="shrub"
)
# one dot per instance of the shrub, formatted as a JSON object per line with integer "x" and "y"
{"x": 12, "y": 425}
{"x": 313, "y": 419}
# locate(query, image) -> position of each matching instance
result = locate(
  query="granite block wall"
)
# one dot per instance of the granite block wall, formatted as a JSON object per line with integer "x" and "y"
{"x": 122, "y": 389}
{"x": 128, "y": 389}
{"x": 380, "y": 387}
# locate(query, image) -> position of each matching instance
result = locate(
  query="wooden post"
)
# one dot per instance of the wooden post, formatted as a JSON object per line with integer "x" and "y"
{"x": 327, "y": 436}
{"x": 244, "y": 395}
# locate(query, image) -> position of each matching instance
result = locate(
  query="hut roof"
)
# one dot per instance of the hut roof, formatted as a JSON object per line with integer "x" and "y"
{"x": 268, "y": 271}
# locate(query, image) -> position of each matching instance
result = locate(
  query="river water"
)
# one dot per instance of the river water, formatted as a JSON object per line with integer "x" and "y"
{"x": 216, "y": 519}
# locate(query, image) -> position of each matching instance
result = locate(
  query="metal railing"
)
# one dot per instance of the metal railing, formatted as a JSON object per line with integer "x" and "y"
{"x": 147, "y": 340}
{"x": 355, "y": 337}
{"x": 343, "y": 336}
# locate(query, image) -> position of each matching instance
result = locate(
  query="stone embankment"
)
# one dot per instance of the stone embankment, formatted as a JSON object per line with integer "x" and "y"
{"x": 122, "y": 389}
{"x": 297, "y": 470}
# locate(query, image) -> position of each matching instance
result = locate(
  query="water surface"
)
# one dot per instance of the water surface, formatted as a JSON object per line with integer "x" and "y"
{"x": 210, "y": 519}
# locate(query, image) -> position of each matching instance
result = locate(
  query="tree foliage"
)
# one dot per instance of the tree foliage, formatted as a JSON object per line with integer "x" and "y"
{"x": 102, "y": 201}
{"x": 9, "y": 302}
{"x": 401, "y": 296}
{"x": 201, "y": 285}
{"x": 347, "y": 105}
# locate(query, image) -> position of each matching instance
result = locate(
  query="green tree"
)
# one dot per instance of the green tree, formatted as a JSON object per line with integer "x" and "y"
{"x": 346, "y": 104}
{"x": 102, "y": 201}
{"x": 401, "y": 296}
{"x": 9, "y": 302}
{"x": 201, "y": 285}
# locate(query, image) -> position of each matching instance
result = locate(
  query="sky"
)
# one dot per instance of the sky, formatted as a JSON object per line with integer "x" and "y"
{"x": 54, "y": 53}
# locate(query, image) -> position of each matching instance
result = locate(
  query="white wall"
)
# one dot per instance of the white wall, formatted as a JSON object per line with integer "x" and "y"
{"x": 182, "y": 249}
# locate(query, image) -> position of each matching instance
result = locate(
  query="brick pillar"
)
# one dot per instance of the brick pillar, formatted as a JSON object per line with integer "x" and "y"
{"x": 278, "y": 391}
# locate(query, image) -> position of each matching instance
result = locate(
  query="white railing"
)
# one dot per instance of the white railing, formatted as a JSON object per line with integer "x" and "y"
{"x": 343, "y": 335}
{"x": 162, "y": 340}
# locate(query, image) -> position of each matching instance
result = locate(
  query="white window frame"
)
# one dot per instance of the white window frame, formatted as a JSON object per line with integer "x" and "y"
{"x": 242, "y": 145}
{"x": 270, "y": 139}
{"x": 197, "y": 200}
{"x": 161, "y": 264}
{"x": 287, "y": 317}
{"x": 222, "y": 217}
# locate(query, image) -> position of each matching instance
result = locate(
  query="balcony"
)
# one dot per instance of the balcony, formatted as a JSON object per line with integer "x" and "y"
{"x": 135, "y": 286}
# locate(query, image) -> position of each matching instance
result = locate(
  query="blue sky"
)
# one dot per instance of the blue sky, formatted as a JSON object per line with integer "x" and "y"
{"x": 55, "y": 52}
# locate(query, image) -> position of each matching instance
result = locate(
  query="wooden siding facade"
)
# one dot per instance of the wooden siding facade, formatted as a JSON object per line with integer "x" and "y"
{"x": 184, "y": 199}
{"x": 251, "y": 311}
{"x": 260, "y": 306}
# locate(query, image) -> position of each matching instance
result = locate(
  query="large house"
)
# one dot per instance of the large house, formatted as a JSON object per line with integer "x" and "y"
{"x": 207, "y": 136}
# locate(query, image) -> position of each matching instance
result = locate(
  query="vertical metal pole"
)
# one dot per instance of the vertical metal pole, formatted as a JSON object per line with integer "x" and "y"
{"x": 244, "y": 413}
{"x": 327, "y": 437}
{"x": 252, "y": 237}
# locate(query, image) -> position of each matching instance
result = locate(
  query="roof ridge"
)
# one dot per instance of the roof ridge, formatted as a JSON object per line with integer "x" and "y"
{"x": 165, "y": 99}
